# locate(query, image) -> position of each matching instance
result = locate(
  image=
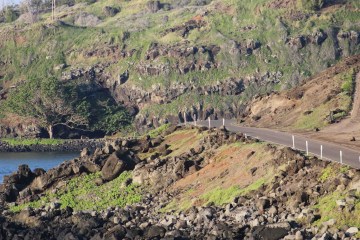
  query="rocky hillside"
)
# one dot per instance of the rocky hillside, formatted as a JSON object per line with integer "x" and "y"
{"x": 325, "y": 107}
{"x": 149, "y": 62}
{"x": 319, "y": 102}
{"x": 186, "y": 183}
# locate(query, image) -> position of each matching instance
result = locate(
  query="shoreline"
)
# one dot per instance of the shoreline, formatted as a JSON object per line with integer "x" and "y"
{"x": 72, "y": 145}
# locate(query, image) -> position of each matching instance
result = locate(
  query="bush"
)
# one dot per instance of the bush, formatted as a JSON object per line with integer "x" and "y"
{"x": 348, "y": 83}
{"x": 11, "y": 14}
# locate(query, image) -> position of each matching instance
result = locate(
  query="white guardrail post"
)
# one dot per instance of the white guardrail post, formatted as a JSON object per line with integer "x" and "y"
{"x": 341, "y": 157}
{"x": 209, "y": 123}
{"x": 307, "y": 148}
{"x": 293, "y": 140}
{"x": 321, "y": 152}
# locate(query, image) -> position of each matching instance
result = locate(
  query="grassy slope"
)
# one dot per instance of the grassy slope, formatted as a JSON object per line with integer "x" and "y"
{"x": 308, "y": 106}
{"x": 36, "y": 49}
{"x": 81, "y": 193}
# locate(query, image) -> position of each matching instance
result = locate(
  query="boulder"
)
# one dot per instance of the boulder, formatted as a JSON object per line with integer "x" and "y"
{"x": 155, "y": 232}
{"x": 153, "y": 6}
{"x": 113, "y": 167}
{"x": 273, "y": 231}
{"x": 117, "y": 232}
{"x": 86, "y": 20}
{"x": 262, "y": 204}
{"x": 85, "y": 153}
{"x": 52, "y": 176}
{"x": 352, "y": 231}
{"x": 110, "y": 11}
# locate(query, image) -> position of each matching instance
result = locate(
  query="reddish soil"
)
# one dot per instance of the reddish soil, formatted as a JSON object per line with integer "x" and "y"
{"x": 230, "y": 166}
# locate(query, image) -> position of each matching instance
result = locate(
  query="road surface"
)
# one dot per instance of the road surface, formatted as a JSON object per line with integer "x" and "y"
{"x": 331, "y": 151}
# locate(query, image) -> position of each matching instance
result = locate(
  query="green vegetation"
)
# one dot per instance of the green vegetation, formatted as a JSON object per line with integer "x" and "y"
{"x": 158, "y": 131}
{"x": 10, "y": 14}
{"x": 327, "y": 173}
{"x": 46, "y": 50}
{"x": 311, "y": 4}
{"x": 81, "y": 193}
{"x": 52, "y": 103}
{"x": 348, "y": 82}
{"x": 27, "y": 142}
{"x": 319, "y": 117}
{"x": 329, "y": 210}
{"x": 222, "y": 196}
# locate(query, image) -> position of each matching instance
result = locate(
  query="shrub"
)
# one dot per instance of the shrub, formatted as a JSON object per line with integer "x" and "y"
{"x": 348, "y": 83}
{"x": 11, "y": 14}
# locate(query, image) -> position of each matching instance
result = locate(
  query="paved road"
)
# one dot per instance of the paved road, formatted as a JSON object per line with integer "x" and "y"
{"x": 331, "y": 151}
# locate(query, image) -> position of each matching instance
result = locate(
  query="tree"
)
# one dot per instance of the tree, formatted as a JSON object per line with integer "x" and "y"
{"x": 47, "y": 101}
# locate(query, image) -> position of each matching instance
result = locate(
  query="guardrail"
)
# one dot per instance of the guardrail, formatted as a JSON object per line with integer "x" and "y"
{"x": 309, "y": 146}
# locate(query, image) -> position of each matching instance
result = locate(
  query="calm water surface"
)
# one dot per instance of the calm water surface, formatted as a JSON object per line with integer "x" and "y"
{"x": 9, "y": 162}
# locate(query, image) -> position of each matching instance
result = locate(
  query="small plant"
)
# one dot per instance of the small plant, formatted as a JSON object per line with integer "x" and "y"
{"x": 10, "y": 14}
{"x": 327, "y": 173}
{"x": 158, "y": 131}
{"x": 329, "y": 210}
{"x": 221, "y": 196}
{"x": 348, "y": 83}
{"x": 81, "y": 193}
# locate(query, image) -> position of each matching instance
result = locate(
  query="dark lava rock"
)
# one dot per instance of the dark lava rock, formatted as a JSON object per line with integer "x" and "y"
{"x": 155, "y": 232}
{"x": 110, "y": 11}
{"x": 271, "y": 231}
{"x": 113, "y": 167}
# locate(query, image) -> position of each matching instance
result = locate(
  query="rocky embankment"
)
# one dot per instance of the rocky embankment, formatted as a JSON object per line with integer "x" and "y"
{"x": 283, "y": 208}
{"x": 65, "y": 146}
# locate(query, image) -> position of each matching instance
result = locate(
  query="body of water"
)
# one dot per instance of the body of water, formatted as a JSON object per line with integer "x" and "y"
{"x": 9, "y": 162}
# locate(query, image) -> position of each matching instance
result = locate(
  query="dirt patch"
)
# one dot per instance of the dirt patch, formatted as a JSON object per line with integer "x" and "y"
{"x": 277, "y": 4}
{"x": 230, "y": 166}
{"x": 182, "y": 141}
{"x": 20, "y": 40}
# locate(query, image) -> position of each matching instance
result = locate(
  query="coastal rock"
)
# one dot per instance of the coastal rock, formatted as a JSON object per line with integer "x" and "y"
{"x": 272, "y": 231}
{"x": 113, "y": 167}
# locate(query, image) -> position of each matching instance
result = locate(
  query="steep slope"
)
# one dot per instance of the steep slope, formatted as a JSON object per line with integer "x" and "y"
{"x": 161, "y": 60}
{"x": 327, "y": 103}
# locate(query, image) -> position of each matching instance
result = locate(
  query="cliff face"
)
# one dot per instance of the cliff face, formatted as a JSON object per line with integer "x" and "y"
{"x": 161, "y": 60}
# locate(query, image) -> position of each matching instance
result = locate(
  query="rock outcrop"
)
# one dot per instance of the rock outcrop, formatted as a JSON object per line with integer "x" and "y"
{"x": 280, "y": 209}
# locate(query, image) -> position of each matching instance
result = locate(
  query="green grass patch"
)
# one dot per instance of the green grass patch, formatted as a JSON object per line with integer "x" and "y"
{"x": 329, "y": 210}
{"x": 348, "y": 80}
{"x": 35, "y": 141}
{"x": 177, "y": 205}
{"x": 81, "y": 193}
{"x": 327, "y": 173}
{"x": 158, "y": 131}
{"x": 317, "y": 118}
{"x": 222, "y": 196}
